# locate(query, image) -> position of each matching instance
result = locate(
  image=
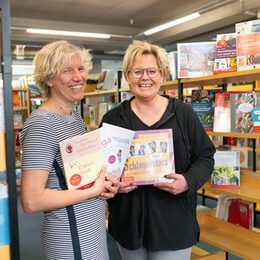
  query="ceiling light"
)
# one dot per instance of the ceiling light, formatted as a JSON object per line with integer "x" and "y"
{"x": 172, "y": 23}
{"x": 67, "y": 33}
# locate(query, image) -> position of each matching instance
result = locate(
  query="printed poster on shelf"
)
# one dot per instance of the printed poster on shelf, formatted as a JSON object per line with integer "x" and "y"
{"x": 84, "y": 155}
{"x": 226, "y": 53}
{"x": 151, "y": 157}
{"x": 226, "y": 173}
{"x": 248, "y": 45}
{"x": 195, "y": 59}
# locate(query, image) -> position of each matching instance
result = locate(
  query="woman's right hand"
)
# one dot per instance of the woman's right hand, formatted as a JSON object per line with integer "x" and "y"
{"x": 126, "y": 187}
{"x": 99, "y": 185}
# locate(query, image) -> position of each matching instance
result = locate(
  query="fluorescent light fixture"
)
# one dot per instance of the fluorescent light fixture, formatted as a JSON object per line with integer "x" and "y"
{"x": 67, "y": 33}
{"x": 172, "y": 23}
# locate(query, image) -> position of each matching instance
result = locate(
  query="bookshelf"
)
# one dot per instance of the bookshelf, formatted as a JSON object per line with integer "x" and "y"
{"x": 21, "y": 113}
{"x": 96, "y": 99}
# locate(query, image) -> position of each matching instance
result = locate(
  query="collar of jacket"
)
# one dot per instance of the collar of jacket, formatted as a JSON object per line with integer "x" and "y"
{"x": 125, "y": 110}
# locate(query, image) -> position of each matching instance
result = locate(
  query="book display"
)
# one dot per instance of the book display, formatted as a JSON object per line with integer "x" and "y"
{"x": 226, "y": 173}
{"x": 151, "y": 157}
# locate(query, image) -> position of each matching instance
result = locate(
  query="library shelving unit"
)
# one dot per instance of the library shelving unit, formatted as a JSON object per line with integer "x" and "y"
{"x": 23, "y": 110}
{"x": 9, "y": 250}
{"x": 114, "y": 92}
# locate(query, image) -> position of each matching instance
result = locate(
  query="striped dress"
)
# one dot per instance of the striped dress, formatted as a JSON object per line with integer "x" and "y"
{"x": 40, "y": 137}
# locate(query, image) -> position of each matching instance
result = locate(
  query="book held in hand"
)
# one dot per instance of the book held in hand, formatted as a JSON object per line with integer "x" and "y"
{"x": 151, "y": 157}
{"x": 84, "y": 155}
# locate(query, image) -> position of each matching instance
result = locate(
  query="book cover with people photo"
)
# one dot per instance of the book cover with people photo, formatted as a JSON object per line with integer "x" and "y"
{"x": 226, "y": 53}
{"x": 226, "y": 173}
{"x": 151, "y": 157}
{"x": 84, "y": 155}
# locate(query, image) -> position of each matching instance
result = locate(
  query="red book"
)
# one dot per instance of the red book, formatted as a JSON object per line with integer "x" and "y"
{"x": 246, "y": 214}
{"x": 233, "y": 212}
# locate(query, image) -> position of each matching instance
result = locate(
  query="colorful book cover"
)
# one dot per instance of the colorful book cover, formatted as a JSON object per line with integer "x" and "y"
{"x": 248, "y": 41}
{"x": 256, "y": 120}
{"x": 196, "y": 59}
{"x": 243, "y": 155}
{"x": 226, "y": 173}
{"x": 110, "y": 80}
{"x": 151, "y": 157}
{"x": 82, "y": 158}
{"x": 4, "y": 216}
{"x": 205, "y": 114}
{"x": 84, "y": 155}
{"x": 117, "y": 147}
{"x": 241, "y": 106}
{"x": 226, "y": 53}
{"x": 221, "y": 119}
{"x": 172, "y": 59}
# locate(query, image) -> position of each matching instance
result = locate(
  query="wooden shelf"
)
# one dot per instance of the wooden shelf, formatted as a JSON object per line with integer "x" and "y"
{"x": 124, "y": 90}
{"x": 18, "y": 127}
{"x": 20, "y": 89}
{"x": 18, "y": 165}
{"x": 173, "y": 84}
{"x": 248, "y": 190}
{"x": 19, "y": 108}
{"x": 225, "y": 78}
{"x": 240, "y": 135}
{"x": 91, "y": 126}
{"x": 100, "y": 93}
{"x": 232, "y": 238}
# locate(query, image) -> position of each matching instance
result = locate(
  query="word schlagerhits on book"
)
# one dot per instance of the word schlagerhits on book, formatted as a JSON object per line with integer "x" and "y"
{"x": 84, "y": 155}
{"x": 151, "y": 157}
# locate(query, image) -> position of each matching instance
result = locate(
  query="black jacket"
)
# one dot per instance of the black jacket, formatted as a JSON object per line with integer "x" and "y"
{"x": 148, "y": 216}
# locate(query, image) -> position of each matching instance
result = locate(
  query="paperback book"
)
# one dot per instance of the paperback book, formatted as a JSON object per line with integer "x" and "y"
{"x": 241, "y": 106}
{"x": 84, "y": 155}
{"x": 202, "y": 105}
{"x": 196, "y": 59}
{"x": 226, "y": 54}
{"x": 241, "y": 212}
{"x": 221, "y": 117}
{"x": 226, "y": 173}
{"x": 256, "y": 120}
{"x": 151, "y": 157}
{"x": 248, "y": 41}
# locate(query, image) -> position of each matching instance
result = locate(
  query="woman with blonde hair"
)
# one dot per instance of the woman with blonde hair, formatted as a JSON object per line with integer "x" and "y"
{"x": 74, "y": 220}
{"x": 156, "y": 222}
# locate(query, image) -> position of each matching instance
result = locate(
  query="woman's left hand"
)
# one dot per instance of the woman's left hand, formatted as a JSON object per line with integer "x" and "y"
{"x": 178, "y": 186}
{"x": 112, "y": 185}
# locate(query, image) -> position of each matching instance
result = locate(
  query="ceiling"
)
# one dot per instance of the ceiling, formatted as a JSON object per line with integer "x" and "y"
{"x": 125, "y": 20}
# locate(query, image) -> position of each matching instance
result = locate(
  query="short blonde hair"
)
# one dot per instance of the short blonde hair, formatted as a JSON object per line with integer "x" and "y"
{"x": 138, "y": 48}
{"x": 52, "y": 58}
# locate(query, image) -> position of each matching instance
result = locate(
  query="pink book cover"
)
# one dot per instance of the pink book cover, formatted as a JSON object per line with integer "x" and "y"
{"x": 82, "y": 159}
{"x": 151, "y": 157}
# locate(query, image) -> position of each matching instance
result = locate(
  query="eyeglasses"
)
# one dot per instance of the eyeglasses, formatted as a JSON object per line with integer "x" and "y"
{"x": 151, "y": 72}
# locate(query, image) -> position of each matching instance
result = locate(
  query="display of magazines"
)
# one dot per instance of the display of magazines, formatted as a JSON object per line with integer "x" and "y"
{"x": 226, "y": 173}
{"x": 83, "y": 156}
{"x": 151, "y": 157}
{"x": 196, "y": 59}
